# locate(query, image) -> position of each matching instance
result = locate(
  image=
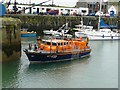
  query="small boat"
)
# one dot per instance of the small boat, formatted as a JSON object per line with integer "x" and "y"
{"x": 52, "y": 50}
{"x": 25, "y": 33}
{"x": 60, "y": 31}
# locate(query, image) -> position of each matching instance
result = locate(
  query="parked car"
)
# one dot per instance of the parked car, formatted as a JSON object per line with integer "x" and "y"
{"x": 53, "y": 12}
{"x": 107, "y": 15}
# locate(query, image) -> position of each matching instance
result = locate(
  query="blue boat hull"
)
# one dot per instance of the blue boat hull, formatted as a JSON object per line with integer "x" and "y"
{"x": 28, "y": 35}
{"x": 53, "y": 57}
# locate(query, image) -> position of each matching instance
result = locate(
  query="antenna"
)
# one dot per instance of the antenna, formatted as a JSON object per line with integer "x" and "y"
{"x": 52, "y": 2}
{"x": 8, "y": 4}
{"x": 15, "y": 7}
{"x": 99, "y": 14}
{"x": 30, "y": 2}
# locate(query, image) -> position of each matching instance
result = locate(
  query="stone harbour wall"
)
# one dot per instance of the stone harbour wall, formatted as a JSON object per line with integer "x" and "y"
{"x": 10, "y": 39}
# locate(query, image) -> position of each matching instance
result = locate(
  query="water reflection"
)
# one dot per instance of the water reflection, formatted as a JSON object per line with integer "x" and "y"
{"x": 56, "y": 74}
{"x": 10, "y": 74}
{"x": 58, "y": 65}
{"x": 88, "y": 72}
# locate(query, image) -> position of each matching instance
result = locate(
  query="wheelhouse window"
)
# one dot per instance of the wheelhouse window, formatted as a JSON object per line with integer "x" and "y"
{"x": 48, "y": 43}
{"x": 43, "y": 42}
{"x": 54, "y": 44}
{"x": 42, "y": 8}
{"x": 65, "y": 43}
{"x": 59, "y": 44}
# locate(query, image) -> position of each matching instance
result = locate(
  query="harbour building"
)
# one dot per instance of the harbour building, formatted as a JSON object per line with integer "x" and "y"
{"x": 93, "y": 5}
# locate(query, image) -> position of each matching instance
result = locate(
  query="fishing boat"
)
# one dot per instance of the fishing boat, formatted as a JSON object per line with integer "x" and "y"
{"x": 25, "y": 33}
{"x": 52, "y": 50}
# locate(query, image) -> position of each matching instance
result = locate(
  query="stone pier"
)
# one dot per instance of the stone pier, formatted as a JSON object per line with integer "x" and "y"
{"x": 10, "y": 40}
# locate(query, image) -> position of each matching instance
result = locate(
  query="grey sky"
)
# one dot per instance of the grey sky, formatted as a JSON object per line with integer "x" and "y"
{"x": 69, "y": 3}
{"x": 57, "y": 2}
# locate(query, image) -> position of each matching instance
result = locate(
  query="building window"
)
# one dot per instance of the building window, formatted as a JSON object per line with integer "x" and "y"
{"x": 90, "y": 11}
{"x": 83, "y": 11}
{"x": 94, "y": 6}
{"x": 105, "y": 6}
{"x": 102, "y": 6}
{"x": 90, "y": 6}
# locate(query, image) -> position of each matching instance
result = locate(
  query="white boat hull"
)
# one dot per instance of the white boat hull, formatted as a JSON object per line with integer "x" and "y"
{"x": 103, "y": 34}
{"x": 103, "y": 38}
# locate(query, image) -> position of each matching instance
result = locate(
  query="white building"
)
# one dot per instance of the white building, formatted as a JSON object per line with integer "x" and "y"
{"x": 83, "y": 11}
{"x": 112, "y": 8}
{"x": 43, "y": 9}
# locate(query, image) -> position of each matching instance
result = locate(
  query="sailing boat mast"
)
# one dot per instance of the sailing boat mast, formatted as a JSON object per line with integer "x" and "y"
{"x": 99, "y": 15}
{"x": 82, "y": 21}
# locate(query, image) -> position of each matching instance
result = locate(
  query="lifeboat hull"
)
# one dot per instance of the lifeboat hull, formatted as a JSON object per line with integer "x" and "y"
{"x": 53, "y": 57}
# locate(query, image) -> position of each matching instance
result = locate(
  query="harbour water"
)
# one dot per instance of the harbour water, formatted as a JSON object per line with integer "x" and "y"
{"x": 99, "y": 70}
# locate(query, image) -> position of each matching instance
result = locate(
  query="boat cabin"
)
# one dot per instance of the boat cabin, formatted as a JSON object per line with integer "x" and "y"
{"x": 56, "y": 45}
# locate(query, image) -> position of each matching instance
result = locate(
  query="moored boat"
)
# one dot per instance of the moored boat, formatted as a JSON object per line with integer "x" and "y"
{"x": 25, "y": 33}
{"x": 64, "y": 29}
{"x": 53, "y": 50}
{"x": 102, "y": 34}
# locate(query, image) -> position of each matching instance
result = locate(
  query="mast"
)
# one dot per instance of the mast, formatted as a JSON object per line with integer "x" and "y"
{"x": 50, "y": 45}
{"x": 30, "y": 2}
{"x": 99, "y": 15}
{"x": 82, "y": 21}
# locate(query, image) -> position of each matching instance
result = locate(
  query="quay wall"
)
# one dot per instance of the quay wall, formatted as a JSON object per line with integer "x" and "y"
{"x": 10, "y": 39}
{"x": 39, "y": 23}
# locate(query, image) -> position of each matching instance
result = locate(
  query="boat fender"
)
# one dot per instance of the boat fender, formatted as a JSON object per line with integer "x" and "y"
{"x": 35, "y": 47}
{"x": 103, "y": 35}
{"x": 30, "y": 46}
{"x": 112, "y": 37}
{"x": 87, "y": 39}
{"x": 80, "y": 38}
